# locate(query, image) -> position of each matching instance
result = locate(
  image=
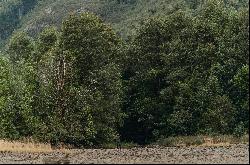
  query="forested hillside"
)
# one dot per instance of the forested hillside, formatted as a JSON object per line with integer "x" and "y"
{"x": 89, "y": 72}
{"x": 124, "y": 15}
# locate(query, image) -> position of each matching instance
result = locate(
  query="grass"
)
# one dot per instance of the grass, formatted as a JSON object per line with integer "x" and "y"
{"x": 207, "y": 141}
{"x": 33, "y": 147}
{"x": 27, "y": 147}
{"x": 181, "y": 141}
{"x": 124, "y": 145}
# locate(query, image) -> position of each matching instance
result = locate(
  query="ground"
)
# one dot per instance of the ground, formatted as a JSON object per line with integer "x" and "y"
{"x": 233, "y": 154}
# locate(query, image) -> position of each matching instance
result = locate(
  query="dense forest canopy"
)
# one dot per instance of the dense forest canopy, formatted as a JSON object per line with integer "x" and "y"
{"x": 89, "y": 72}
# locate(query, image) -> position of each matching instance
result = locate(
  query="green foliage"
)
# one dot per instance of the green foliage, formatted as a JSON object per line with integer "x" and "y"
{"x": 73, "y": 93}
{"x": 47, "y": 39}
{"x": 240, "y": 130}
{"x": 17, "y": 110}
{"x": 124, "y": 15}
{"x": 183, "y": 73}
{"x": 20, "y": 47}
{"x": 17, "y": 89}
{"x": 175, "y": 86}
{"x": 8, "y": 17}
{"x": 241, "y": 84}
{"x": 88, "y": 30}
{"x": 241, "y": 79}
{"x": 93, "y": 48}
{"x": 11, "y": 13}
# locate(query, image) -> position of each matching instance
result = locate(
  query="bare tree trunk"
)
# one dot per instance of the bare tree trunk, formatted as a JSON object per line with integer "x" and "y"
{"x": 61, "y": 93}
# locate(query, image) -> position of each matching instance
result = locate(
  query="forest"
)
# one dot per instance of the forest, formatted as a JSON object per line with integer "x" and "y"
{"x": 81, "y": 82}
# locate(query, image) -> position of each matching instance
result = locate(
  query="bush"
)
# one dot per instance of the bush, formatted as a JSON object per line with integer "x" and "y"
{"x": 240, "y": 130}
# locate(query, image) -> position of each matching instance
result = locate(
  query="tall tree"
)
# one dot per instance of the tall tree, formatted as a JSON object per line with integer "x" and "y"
{"x": 88, "y": 80}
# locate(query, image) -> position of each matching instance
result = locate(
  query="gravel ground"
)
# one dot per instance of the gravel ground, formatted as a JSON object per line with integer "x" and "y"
{"x": 235, "y": 154}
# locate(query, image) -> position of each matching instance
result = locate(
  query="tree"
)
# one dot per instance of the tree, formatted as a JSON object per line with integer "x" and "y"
{"x": 180, "y": 74}
{"x": 87, "y": 81}
{"x": 21, "y": 47}
{"x": 17, "y": 113}
{"x": 241, "y": 84}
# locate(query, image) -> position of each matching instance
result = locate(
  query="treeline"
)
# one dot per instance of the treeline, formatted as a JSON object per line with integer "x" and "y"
{"x": 182, "y": 74}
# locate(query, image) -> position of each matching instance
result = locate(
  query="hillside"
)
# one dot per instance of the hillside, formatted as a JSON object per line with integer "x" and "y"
{"x": 123, "y": 15}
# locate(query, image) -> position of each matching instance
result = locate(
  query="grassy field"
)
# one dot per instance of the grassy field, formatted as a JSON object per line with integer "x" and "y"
{"x": 203, "y": 141}
{"x": 222, "y": 140}
{"x": 29, "y": 147}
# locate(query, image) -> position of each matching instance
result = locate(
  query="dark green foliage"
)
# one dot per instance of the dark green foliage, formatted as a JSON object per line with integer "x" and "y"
{"x": 21, "y": 47}
{"x": 46, "y": 40}
{"x": 11, "y": 13}
{"x": 93, "y": 84}
{"x": 175, "y": 85}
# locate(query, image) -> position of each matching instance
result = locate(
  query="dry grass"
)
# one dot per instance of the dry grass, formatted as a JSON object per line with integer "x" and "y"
{"x": 203, "y": 141}
{"x": 28, "y": 147}
{"x": 225, "y": 140}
